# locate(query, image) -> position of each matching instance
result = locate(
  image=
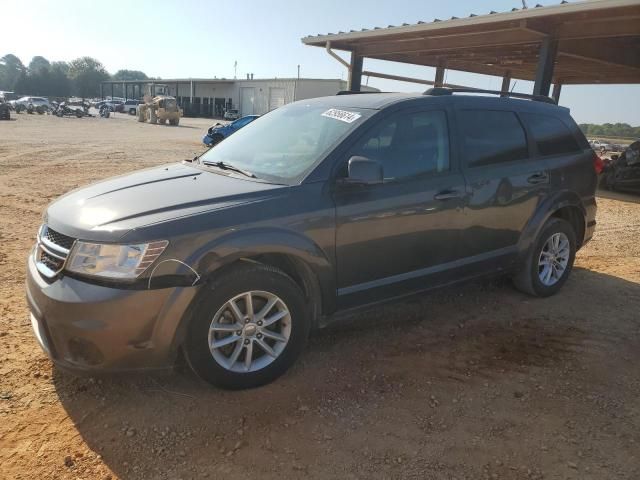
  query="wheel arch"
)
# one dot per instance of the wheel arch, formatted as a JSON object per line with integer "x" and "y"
{"x": 565, "y": 205}
{"x": 295, "y": 254}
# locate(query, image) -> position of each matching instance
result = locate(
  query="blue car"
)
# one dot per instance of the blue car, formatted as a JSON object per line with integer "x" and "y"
{"x": 219, "y": 132}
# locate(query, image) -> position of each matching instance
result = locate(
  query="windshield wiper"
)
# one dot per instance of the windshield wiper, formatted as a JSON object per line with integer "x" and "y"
{"x": 228, "y": 166}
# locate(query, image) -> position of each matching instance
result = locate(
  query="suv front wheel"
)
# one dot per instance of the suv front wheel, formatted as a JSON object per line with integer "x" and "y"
{"x": 248, "y": 328}
{"x": 550, "y": 261}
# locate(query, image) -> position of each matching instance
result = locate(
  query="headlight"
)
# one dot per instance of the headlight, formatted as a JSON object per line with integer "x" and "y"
{"x": 114, "y": 261}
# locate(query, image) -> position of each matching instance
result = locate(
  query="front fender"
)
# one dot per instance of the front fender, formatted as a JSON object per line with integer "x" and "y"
{"x": 268, "y": 240}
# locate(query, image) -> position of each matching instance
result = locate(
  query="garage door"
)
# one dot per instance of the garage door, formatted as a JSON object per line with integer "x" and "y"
{"x": 247, "y": 95}
{"x": 276, "y": 98}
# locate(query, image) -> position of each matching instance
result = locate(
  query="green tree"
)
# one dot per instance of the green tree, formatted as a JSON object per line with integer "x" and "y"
{"x": 11, "y": 69}
{"x": 610, "y": 129}
{"x": 129, "y": 75}
{"x": 85, "y": 74}
{"x": 62, "y": 66}
{"x": 38, "y": 79}
{"x": 59, "y": 83}
{"x": 39, "y": 64}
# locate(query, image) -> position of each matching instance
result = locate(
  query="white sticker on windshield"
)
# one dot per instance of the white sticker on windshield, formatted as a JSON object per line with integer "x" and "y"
{"x": 342, "y": 115}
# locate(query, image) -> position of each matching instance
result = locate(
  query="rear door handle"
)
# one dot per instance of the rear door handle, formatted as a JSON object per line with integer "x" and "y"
{"x": 539, "y": 177}
{"x": 447, "y": 195}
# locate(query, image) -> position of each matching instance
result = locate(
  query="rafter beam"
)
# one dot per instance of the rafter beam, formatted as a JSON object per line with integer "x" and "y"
{"x": 514, "y": 36}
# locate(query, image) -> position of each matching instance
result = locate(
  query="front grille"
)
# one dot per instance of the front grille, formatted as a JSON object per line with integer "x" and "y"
{"x": 58, "y": 238}
{"x": 52, "y": 263}
{"x": 51, "y": 251}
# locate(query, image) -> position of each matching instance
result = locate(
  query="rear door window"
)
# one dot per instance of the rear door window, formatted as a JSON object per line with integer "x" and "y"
{"x": 551, "y": 136}
{"x": 492, "y": 137}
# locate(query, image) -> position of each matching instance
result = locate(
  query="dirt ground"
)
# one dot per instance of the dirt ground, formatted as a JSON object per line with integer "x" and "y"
{"x": 477, "y": 382}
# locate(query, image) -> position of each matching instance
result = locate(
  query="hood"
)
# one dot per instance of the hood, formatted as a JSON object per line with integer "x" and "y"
{"x": 107, "y": 210}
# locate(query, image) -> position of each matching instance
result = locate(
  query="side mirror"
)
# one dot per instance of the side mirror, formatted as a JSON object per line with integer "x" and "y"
{"x": 364, "y": 171}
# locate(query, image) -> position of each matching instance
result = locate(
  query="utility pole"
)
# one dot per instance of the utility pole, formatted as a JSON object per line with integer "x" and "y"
{"x": 298, "y": 72}
{"x": 524, "y": 4}
{"x": 235, "y": 70}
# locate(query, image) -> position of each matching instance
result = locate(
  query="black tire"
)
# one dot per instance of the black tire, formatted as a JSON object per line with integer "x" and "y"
{"x": 250, "y": 277}
{"x": 132, "y": 111}
{"x": 527, "y": 278}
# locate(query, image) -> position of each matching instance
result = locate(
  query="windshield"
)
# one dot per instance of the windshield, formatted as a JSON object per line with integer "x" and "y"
{"x": 285, "y": 144}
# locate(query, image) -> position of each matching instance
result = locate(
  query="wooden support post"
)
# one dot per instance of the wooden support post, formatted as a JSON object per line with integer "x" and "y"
{"x": 355, "y": 73}
{"x": 506, "y": 82}
{"x": 557, "y": 87}
{"x": 546, "y": 62}
{"x": 439, "y": 80}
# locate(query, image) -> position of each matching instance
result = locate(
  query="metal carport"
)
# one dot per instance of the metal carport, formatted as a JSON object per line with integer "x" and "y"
{"x": 588, "y": 42}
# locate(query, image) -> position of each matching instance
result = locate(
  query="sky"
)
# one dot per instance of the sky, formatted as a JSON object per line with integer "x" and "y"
{"x": 203, "y": 39}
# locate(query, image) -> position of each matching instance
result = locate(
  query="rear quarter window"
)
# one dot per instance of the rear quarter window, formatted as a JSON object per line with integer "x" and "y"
{"x": 492, "y": 137}
{"x": 550, "y": 134}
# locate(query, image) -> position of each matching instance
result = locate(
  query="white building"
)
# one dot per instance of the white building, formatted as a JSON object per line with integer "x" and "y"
{"x": 211, "y": 97}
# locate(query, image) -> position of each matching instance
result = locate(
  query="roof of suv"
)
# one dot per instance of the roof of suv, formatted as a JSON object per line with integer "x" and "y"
{"x": 379, "y": 101}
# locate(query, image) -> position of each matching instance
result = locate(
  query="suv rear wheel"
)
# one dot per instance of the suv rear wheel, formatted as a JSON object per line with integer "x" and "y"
{"x": 248, "y": 328}
{"x": 550, "y": 261}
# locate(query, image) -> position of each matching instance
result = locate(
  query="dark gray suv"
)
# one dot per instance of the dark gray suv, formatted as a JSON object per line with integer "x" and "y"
{"x": 314, "y": 209}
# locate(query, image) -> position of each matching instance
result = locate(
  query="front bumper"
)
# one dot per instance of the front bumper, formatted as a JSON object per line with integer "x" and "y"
{"x": 87, "y": 327}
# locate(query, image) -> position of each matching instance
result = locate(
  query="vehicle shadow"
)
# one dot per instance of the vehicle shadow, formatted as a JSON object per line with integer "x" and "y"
{"x": 176, "y": 426}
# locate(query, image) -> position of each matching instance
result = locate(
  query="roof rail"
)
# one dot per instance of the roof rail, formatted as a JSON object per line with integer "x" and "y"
{"x": 351, "y": 92}
{"x": 437, "y": 91}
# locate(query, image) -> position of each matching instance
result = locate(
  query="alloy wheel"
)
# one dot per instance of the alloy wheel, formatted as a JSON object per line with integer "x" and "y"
{"x": 554, "y": 259}
{"x": 249, "y": 331}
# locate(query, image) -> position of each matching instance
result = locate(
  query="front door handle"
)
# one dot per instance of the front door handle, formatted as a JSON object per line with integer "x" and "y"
{"x": 447, "y": 195}
{"x": 539, "y": 177}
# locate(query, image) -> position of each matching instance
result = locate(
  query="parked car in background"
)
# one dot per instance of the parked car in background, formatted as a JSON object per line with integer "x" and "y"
{"x": 220, "y": 131}
{"x": 5, "y": 111}
{"x": 319, "y": 207}
{"x": 8, "y": 96}
{"x": 115, "y": 105}
{"x": 623, "y": 171}
{"x": 231, "y": 114}
{"x": 75, "y": 109}
{"x": 31, "y": 104}
{"x": 131, "y": 106}
{"x": 616, "y": 147}
{"x": 600, "y": 146}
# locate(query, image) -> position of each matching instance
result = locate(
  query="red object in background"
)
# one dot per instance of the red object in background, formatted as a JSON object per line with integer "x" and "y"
{"x": 598, "y": 164}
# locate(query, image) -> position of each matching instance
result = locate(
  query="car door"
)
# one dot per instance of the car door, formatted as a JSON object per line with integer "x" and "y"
{"x": 391, "y": 236}
{"x": 505, "y": 183}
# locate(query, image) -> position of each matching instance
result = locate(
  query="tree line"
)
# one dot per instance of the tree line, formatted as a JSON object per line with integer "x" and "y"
{"x": 610, "y": 130}
{"x": 80, "y": 77}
